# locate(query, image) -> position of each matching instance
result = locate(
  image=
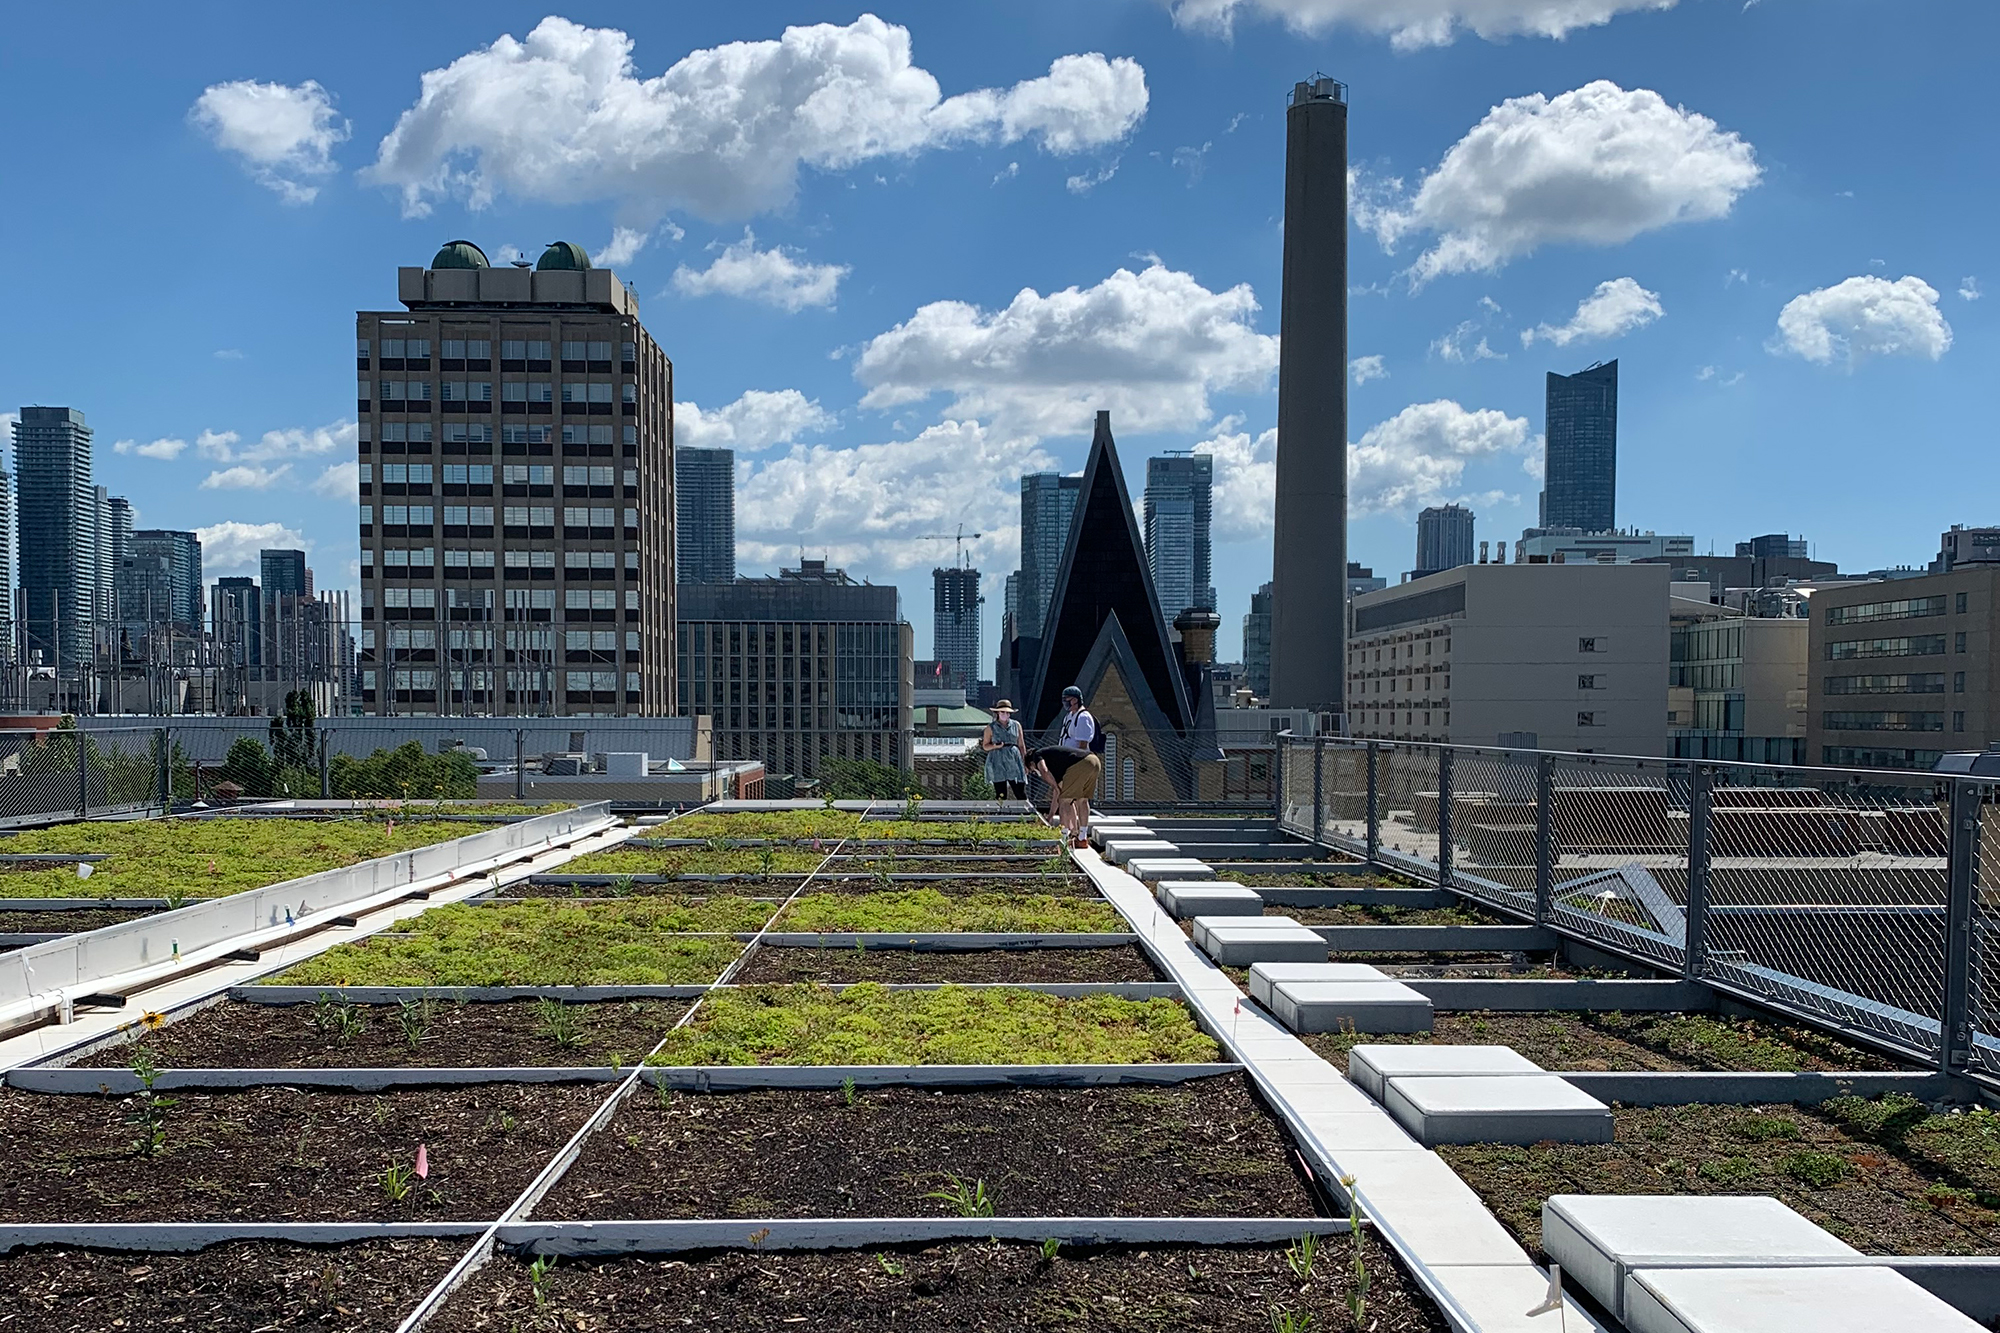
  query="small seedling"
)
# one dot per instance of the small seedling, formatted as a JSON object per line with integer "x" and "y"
{"x": 664, "y": 1095}
{"x": 1287, "y": 1321}
{"x": 337, "y": 1018}
{"x": 884, "y": 880}
{"x": 847, "y": 1090}
{"x": 767, "y": 859}
{"x": 1358, "y": 1278}
{"x": 398, "y": 1182}
{"x": 175, "y": 897}
{"x": 968, "y": 1199}
{"x": 1050, "y": 1247}
{"x": 540, "y": 1279}
{"x": 150, "y": 1112}
{"x": 413, "y": 1017}
{"x": 889, "y": 1266}
{"x": 557, "y": 1021}
{"x": 622, "y": 886}
{"x": 1301, "y": 1256}
{"x": 913, "y": 808}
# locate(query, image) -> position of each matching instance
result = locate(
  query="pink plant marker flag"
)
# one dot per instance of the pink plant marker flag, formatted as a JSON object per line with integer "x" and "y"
{"x": 423, "y": 1162}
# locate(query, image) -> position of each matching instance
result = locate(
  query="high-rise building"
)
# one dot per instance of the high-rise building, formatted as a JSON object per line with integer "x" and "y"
{"x": 284, "y": 574}
{"x": 1309, "y": 529}
{"x": 57, "y": 526}
{"x": 238, "y": 618}
{"x": 517, "y": 485}
{"x": 1580, "y": 465}
{"x": 159, "y": 581}
{"x": 114, "y": 547}
{"x": 955, "y": 621}
{"x": 8, "y": 646}
{"x": 1048, "y": 503}
{"x": 1444, "y": 539}
{"x": 1773, "y": 546}
{"x": 1257, "y": 643}
{"x": 1179, "y": 499}
{"x": 705, "y": 503}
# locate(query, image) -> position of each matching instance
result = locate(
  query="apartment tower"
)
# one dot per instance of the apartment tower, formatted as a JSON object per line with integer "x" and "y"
{"x": 1178, "y": 505}
{"x": 1580, "y": 467}
{"x": 955, "y": 602}
{"x": 705, "y": 515}
{"x": 57, "y": 523}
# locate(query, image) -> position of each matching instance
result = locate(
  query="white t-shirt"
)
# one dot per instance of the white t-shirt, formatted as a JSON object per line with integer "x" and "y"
{"x": 1079, "y": 729}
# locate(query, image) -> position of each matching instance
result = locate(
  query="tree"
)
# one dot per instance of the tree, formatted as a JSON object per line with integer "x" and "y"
{"x": 862, "y": 780}
{"x": 294, "y": 747}
{"x": 249, "y": 766}
{"x": 406, "y": 773}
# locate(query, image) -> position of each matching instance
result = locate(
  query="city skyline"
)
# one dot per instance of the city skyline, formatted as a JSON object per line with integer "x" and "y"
{"x": 1763, "y": 250}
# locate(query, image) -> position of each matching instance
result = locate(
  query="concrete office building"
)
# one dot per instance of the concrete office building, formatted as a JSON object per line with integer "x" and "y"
{"x": 1554, "y": 657}
{"x": 1178, "y": 507}
{"x": 1309, "y": 522}
{"x": 1573, "y": 546}
{"x": 955, "y": 608}
{"x": 1737, "y": 688}
{"x": 1360, "y": 579}
{"x": 1444, "y": 539}
{"x": 517, "y": 486}
{"x": 1966, "y": 546}
{"x": 798, "y": 669}
{"x": 1902, "y": 671}
{"x": 1048, "y": 503}
{"x": 1580, "y": 462}
{"x": 705, "y": 515}
{"x": 56, "y": 520}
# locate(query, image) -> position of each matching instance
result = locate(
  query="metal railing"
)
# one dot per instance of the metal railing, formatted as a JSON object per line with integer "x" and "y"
{"x": 1858, "y": 900}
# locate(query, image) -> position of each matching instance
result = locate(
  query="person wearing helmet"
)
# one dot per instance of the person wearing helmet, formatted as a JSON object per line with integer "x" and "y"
{"x": 1080, "y": 779}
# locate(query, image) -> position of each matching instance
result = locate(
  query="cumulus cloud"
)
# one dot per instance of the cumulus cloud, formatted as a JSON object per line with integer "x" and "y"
{"x": 775, "y": 277}
{"x": 623, "y": 247}
{"x": 340, "y": 481}
{"x": 563, "y": 116}
{"x": 1412, "y": 24}
{"x": 1452, "y": 346}
{"x": 1616, "y": 308}
{"x": 284, "y": 135}
{"x": 867, "y": 505}
{"x": 245, "y": 477}
{"x": 1088, "y": 181}
{"x": 1151, "y": 346}
{"x": 165, "y": 449}
{"x": 757, "y": 420}
{"x": 1246, "y": 481}
{"x": 231, "y": 548}
{"x": 290, "y": 442}
{"x": 1863, "y": 317}
{"x": 1365, "y": 368}
{"x": 1418, "y": 456}
{"x": 1596, "y": 166}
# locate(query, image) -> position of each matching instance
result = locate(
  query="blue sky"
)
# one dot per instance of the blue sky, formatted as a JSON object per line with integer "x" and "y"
{"x": 995, "y": 218}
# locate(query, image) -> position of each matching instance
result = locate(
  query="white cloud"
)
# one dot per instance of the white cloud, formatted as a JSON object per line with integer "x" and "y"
{"x": 1418, "y": 456}
{"x": 869, "y": 505}
{"x": 1734, "y": 276}
{"x": 164, "y": 449}
{"x": 1150, "y": 346}
{"x": 562, "y": 116}
{"x": 1246, "y": 481}
{"x": 1596, "y": 166}
{"x": 1616, "y": 308}
{"x": 245, "y": 477}
{"x": 1968, "y": 289}
{"x": 1365, "y": 368}
{"x": 1863, "y": 317}
{"x": 284, "y": 135}
{"x": 1412, "y": 24}
{"x": 216, "y": 443}
{"x": 227, "y": 354}
{"x": 226, "y": 446}
{"x": 774, "y": 277}
{"x": 1089, "y": 181}
{"x": 623, "y": 247}
{"x": 340, "y": 481}
{"x": 1007, "y": 173}
{"x": 1452, "y": 346}
{"x": 757, "y": 420}
{"x": 231, "y": 548}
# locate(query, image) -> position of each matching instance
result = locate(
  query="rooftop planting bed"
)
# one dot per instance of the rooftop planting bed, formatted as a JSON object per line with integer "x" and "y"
{"x": 769, "y": 966}
{"x": 928, "y": 909}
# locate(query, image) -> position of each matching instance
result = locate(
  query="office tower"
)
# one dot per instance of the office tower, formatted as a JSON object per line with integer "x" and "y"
{"x": 1048, "y": 503}
{"x": 737, "y": 641}
{"x": 1309, "y": 531}
{"x": 238, "y": 619}
{"x": 57, "y": 525}
{"x": 8, "y": 646}
{"x": 517, "y": 486}
{"x": 115, "y": 546}
{"x": 1257, "y": 643}
{"x": 1580, "y": 467}
{"x": 1773, "y": 546}
{"x": 284, "y": 574}
{"x": 705, "y": 524}
{"x": 955, "y": 622}
{"x": 1179, "y": 495}
{"x": 1444, "y": 539}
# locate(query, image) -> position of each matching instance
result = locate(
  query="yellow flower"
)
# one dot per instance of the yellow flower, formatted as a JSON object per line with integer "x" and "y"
{"x": 153, "y": 1021}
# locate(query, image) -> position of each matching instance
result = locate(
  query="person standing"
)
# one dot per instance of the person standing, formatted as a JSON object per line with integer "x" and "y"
{"x": 1006, "y": 748}
{"x": 1079, "y": 734}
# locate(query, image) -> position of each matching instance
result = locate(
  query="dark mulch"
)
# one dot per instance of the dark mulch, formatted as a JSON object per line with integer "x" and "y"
{"x": 232, "y": 1035}
{"x": 84, "y": 918}
{"x": 1203, "y": 1149}
{"x": 1628, "y": 1042}
{"x": 778, "y": 966}
{"x": 1308, "y": 879}
{"x": 988, "y": 1287}
{"x": 239, "y": 1287}
{"x": 281, "y": 1154}
{"x": 1872, "y": 1198}
{"x": 782, "y": 887}
{"x": 1370, "y": 914}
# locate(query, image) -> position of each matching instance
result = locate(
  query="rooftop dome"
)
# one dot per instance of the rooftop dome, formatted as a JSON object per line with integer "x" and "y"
{"x": 460, "y": 254}
{"x": 563, "y": 254}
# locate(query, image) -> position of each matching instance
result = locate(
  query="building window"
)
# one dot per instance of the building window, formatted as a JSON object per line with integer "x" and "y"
{"x": 1920, "y": 645}
{"x": 1907, "y": 608}
{"x": 1958, "y": 682}
{"x": 1958, "y": 642}
{"x": 1958, "y": 721}
{"x": 1589, "y": 719}
{"x": 1961, "y": 604}
{"x": 1593, "y": 645}
{"x": 1589, "y": 682}
{"x": 1884, "y": 721}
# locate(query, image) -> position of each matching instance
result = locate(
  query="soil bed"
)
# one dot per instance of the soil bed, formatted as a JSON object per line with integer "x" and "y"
{"x": 1628, "y": 1042}
{"x": 780, "y": 888}
{"x": 237, "y": 1287}
{"x": 988, "y": 1287}
{"x": 939, "y": 865}
{"x": 775, "y": 966}
{"x": 24, "y": 923}
{"x": 1202, "y": 1149}
{"x": 1872, "y": 1196}
{"x": 1365, "y": 914}
{"x": 233, "y": 1035}
{"x": 281, "y": 1154}
{"x": 927, "y": 909}
{"x": 1308, "y": 880}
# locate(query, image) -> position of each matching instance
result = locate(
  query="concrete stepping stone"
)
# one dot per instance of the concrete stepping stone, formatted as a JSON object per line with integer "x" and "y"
{"x": 1119, "y": 851}
{"x": 1264, "y": 975}
{"x": 1216, "y": 897}
{"x": 1153, "y": 868}
{"x": 1600, "y": 1238}
{"x": 1756, "y": 1300}
{"x": 1503, "y": 1108}
{"x": 1239, "y": 941}
{"x": 1343, "y": 1006}
{"x": 1371, "y": 1067}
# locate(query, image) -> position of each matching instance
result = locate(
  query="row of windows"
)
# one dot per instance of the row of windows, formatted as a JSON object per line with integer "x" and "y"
{"x": 425, "y": 680}
{"x": 1884, "y": 721}
{"x": 1924, "y": 682}
{"x": 424, "y": 556}
{"x": 462, "y": 432}
{"x": 511, "y": 474}
{"x": 536, "y": 516}
{"x": 574, "y": 599}
{"x": 512, "y": 349}
{"x": 1919, "y": 645}
{"x": 419, "y": 638}
{"x": 1849, "y": 756}
{"x": 1393, "y": 682}
{"x": 513, "y": 391}
{"x": 1442, "y": 646}
{"x": 1907, "y": 608}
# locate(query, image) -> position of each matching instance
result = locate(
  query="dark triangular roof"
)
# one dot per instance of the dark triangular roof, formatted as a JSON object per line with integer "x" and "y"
{"x": 1104, "y": 573}
{"x": 1113, "y": 648}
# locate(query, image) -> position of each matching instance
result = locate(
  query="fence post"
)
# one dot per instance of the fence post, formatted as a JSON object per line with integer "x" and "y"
{"x": 1278, "y": 781}
{"x": 82, "y": 773}
{"x": 1319, "y": 790}
{"x": 1955, "y": 1034}
{"x": 165, "y": 740}
{"x": 1694, "y": 943}
{"x": 1545, "y": 785}
{"x": 1374, "y": 803}
{"x": 1444, "y": 816}
{"x": 325, "y": 765}
{"x": 520, "y": 759}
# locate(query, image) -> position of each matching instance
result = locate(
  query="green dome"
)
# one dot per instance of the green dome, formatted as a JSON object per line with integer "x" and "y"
{"x": 563, "y": 254}
{"x": 460, "y": 254}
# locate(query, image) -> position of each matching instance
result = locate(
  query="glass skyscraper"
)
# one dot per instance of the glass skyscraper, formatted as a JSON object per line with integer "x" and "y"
{"x": 1048, "y": 503}
{"x": 1444, "y": 538}
{"x": 57, "y": 519}
{"x": 1580, "y": 473}
{"x": 1179, "y": 500}
{"x": 705, "y": 508}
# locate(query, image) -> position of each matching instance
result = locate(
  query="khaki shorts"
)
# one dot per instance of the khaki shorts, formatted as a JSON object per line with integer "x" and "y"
{"x": 1081, "y": 780}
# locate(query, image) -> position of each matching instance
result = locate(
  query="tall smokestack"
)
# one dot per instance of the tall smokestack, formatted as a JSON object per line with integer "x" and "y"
{"x": 1309, "y": 559}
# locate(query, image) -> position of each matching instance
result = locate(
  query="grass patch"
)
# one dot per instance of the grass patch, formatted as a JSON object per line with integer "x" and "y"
{"x": 917, "y": 910}
{"x": 765, "y": 824}
{"x": 1039, "y": 837}
{"x": 544, "y": 942}
{"x": 209, "y": 858}
{"x": 954, "y": 1025}
{"x": 694, "y": 861}
{"x": 1962, "y": 1144}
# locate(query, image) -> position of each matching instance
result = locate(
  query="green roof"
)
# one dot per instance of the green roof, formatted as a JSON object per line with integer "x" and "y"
{"x": 460, "y": 254}
{"x": 563, "y": 254}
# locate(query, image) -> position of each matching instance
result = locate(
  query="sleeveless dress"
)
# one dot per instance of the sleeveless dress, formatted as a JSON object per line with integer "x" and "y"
{"x": 1004, "y": 765}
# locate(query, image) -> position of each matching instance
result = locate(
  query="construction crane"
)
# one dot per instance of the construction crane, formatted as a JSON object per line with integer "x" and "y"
{"x": 959, "y": 539}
